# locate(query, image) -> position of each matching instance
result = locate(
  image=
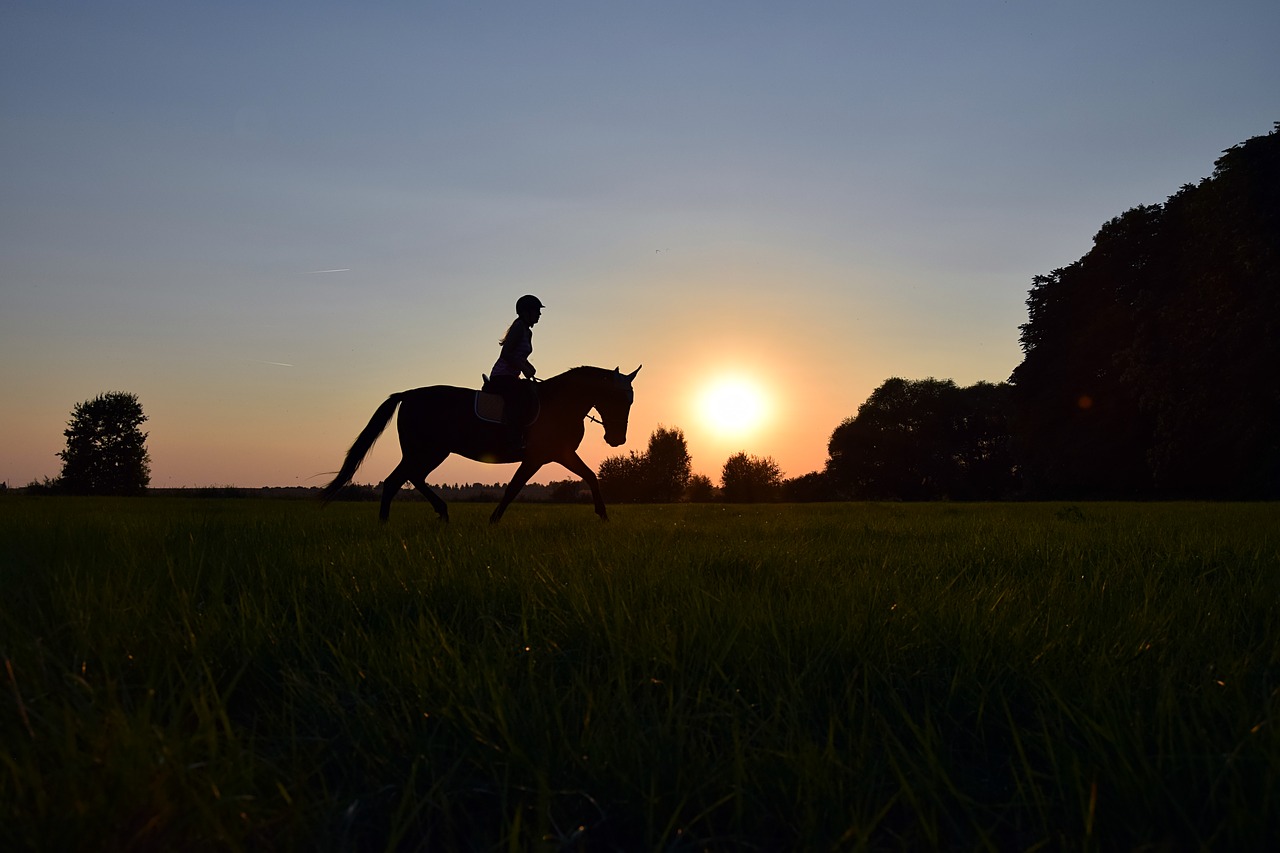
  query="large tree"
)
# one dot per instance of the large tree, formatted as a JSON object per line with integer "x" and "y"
{"x": 106, "y": 451}
{"x": 1205, "y": 355}
{"x": 1081, "y": 429}
{"x": 1149, "y": 364}
{"x": 925, "y": 439}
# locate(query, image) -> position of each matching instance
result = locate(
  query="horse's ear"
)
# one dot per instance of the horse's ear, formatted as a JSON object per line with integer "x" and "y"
{"x": 617, "y": 370}
{"x": 632, "y": 374}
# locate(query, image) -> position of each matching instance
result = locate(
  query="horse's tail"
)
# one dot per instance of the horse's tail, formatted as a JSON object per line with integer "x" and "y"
{"x": 360, "y": 448}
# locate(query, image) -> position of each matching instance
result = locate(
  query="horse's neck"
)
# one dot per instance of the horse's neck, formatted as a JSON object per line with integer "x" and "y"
{"x": 578, "y": 390}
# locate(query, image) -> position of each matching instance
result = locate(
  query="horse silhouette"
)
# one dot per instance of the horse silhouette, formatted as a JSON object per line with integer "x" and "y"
{"x": 441, "y": 419}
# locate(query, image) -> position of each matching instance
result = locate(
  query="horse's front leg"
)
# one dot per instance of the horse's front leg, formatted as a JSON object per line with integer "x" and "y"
{"x": 523, "y": 473}
{"x": 575, "y": 464}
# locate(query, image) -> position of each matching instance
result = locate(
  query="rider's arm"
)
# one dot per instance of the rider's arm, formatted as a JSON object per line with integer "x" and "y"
{"x": 511, "y": 355}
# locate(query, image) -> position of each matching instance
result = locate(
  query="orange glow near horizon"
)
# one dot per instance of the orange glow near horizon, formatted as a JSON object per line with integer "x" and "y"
{"x": 729, "y": 402}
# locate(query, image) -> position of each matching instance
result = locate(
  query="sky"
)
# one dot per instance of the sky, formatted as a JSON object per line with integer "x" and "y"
{"x": 263, "y": 218}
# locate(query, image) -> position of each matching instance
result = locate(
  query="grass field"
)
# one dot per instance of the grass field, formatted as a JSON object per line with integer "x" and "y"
{"x": 187, "y": 674}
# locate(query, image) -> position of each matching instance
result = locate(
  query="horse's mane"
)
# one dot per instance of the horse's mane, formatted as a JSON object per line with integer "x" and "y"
{"x": 580, "y": 372}
{"x": 576, "y": 377}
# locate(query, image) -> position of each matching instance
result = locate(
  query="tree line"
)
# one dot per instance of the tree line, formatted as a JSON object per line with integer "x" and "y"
{"x": 1149, "y": 371}
{"x": 911, "y": 440}
{"x": 663, "y": 473}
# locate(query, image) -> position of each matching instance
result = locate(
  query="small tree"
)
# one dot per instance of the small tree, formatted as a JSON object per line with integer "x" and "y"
{"x": 622, "y": 477}
{"x": 700, "y": 489}
{"x": 658, "y": 475}
{"x": 668, "y": 465}
{"x": 750, "y": 479}
{"x": 106, "y": 451}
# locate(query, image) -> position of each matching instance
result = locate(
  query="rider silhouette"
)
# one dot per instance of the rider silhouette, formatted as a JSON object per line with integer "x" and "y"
{"x": 517, "y": 346}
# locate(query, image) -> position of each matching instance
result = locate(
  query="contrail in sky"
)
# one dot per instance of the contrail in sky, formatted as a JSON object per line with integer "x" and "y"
{"x": 315, "y": 272}
{"x": 278, "y": 363}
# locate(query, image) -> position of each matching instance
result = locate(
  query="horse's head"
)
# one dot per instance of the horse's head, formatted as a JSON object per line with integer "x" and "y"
{"x": 614, "y": 406}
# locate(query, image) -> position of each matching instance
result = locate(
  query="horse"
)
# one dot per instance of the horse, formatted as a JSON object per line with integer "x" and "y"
{"x": 441, "y": 419}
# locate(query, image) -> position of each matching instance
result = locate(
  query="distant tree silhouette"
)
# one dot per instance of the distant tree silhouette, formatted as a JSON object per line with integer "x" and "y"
{"x": 668, "y": 464}
{"x": 659, "y": 475}
{"x": 44, "y": 486}
{"x": 622, "y": 477}
{"x": 106, "y": 451}
{"x": 358, "y": 492}
{"x": 1149, "y": 364}
{"x": 925, "y": 439}
{"x": 809, "y": 488}
{"x": 567, "y": 491}
{"x": 700, "y": 489}
{"x": 750, "y": 479}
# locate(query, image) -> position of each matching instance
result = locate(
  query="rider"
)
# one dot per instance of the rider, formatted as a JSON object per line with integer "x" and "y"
{"x": 517, "y": 346}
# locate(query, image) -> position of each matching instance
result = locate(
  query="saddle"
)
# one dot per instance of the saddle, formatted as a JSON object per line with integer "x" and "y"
{"x": 491, "y": 406}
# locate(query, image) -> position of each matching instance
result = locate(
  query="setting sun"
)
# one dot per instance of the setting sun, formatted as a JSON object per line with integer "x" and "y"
{"x": 733, "y": 406}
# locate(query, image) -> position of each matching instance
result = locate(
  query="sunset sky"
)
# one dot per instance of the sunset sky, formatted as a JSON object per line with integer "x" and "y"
{"x": 262, "y": 218}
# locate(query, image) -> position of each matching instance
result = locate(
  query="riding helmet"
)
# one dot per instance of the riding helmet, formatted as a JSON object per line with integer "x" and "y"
{"x": 527, "y": 303}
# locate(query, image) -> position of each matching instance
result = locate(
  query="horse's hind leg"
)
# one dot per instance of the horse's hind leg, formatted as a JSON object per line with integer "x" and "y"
{"x": 390, "y": 486}
{"x": 420, "y": 483}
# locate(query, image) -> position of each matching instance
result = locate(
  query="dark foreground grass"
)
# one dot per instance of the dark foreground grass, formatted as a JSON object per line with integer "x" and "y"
{"x": 267, "y": 675}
